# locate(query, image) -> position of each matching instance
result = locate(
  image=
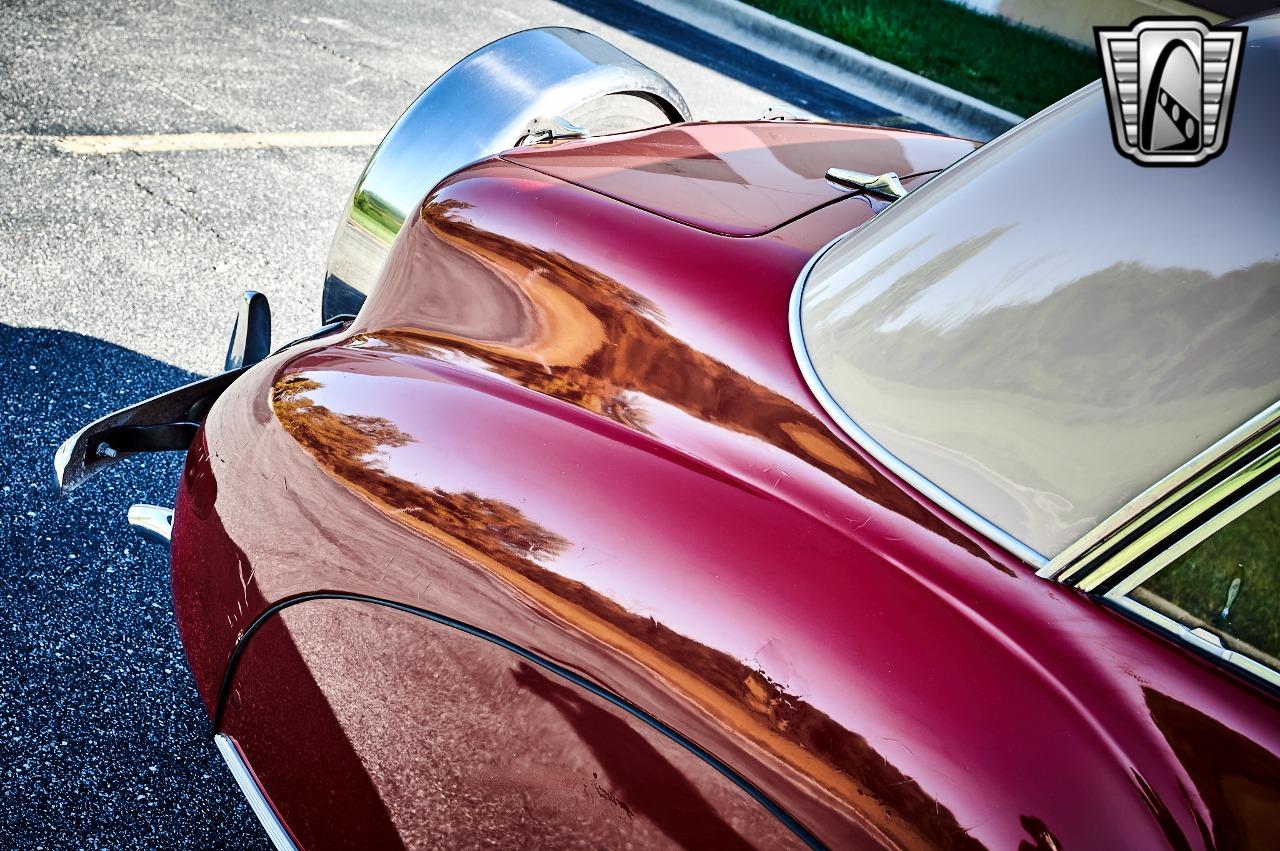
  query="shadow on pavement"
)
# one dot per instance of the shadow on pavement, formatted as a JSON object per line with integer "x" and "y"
{"x": 103, "y": 741}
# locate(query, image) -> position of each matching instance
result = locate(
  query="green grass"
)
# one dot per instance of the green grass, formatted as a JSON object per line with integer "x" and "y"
{"x": 1015, "y": 67}
{"x": 1247, "y": 549}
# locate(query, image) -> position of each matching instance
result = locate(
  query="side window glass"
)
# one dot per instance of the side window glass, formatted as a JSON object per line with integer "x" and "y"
{"x": 1226, "y": 589}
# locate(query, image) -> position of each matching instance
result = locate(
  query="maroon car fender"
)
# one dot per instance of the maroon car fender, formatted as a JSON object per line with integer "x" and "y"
{"x": 568, "y": 433}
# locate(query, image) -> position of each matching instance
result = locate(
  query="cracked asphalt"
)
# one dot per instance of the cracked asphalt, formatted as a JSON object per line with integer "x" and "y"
{"x": 118, "y": 279}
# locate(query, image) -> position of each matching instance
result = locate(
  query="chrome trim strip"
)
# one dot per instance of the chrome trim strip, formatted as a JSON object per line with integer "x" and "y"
{"x": 905, "y": 472}
{"x": 258, "y": 802}
{"x": 153, "y": 522}
{"x": 1196, "y": 520}
{"x": 1191, "y": 638}
{"x": 1196, "y": 535}
{"x": 1069, "y": 562}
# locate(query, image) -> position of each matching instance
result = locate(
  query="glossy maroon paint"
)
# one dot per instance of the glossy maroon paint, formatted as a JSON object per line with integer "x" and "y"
{"x": 738, "y": 178}
{"x": 579, "y": 426}
{"x": 483, "y": 746}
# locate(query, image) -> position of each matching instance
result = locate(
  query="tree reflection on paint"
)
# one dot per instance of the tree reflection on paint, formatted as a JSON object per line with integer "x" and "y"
{"x": 515, "y": 548}
{"x": 350, "y": 445}
{"x": 458, "y": 291}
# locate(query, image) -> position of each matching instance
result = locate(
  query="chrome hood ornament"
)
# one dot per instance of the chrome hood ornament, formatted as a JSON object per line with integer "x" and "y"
{"x": 887, "y": 184}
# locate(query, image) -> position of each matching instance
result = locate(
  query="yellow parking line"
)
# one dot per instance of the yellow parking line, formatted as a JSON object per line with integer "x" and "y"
{"x": 158, "y": 142}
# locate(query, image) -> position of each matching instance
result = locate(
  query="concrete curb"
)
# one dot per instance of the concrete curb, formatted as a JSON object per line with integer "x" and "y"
{"x": 843, "y": 67}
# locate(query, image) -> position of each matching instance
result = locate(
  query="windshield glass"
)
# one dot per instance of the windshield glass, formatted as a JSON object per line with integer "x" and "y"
{"x": 1047, "y": 329}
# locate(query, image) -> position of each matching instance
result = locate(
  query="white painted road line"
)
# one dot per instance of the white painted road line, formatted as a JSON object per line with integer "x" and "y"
{"x": 157, "y": 142}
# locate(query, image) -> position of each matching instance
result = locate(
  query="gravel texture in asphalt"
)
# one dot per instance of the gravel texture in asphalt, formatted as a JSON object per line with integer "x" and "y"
{"x": 118, "y": 279}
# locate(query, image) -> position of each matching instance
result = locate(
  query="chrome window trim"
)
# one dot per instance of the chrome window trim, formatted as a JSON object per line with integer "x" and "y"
{"x": 1211, "y": 491}
{"x": 873, "y": 447}
{"x": 1200, "y": 485}
{"x": 1197, "y": 535}
{"x": 276, "y": 831}
{"x": 1188, "y": 636}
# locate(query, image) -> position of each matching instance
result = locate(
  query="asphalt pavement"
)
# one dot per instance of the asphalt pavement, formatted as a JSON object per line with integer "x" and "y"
{"x": 118, "y": 279}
